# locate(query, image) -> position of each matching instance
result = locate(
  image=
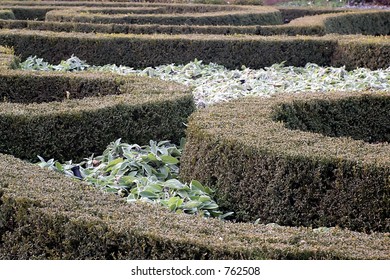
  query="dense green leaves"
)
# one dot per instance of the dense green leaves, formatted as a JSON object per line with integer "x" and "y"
{"x": 148, "y": 173}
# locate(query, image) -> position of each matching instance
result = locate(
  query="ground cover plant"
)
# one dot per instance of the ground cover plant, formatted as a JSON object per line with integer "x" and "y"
{"x": 149, "y": 174}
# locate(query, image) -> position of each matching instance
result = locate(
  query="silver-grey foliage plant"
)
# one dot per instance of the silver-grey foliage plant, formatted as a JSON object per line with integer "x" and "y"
{"x": 148, "y": 173}
{"x": 213, "y": 83}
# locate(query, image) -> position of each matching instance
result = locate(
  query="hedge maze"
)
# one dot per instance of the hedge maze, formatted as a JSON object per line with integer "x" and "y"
{"x": 313, "y": 168}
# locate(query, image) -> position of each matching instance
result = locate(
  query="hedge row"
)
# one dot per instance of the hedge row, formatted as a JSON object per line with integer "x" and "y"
{"x": 288, "y": 13}
{"x": 29, "y": 13}
{"x": 231, "y": 51}
{"x": 6, "y": 14}
{"x": 151, "y": 50}
{"x": 38, "y": 87}
{"x": 7, "y": 58}
{"x": 367, "y": 22}
{"x": 291, "y": 13}
{"x": 27, "y": 10}
{"x": 363, "y": 22}
{"x": 268, "y": 30}
{"x": 145, "y": 28}
{"x": 242, "y": 16}
{"x": 373, "y": 52}
{"x": 82, "y": 3}
{"x": 297, "y": 159}
{"x": 133, "y": 108}
{"x": 44, "y": 215}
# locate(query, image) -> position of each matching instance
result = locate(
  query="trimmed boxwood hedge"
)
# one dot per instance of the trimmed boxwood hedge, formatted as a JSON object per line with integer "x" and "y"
{"x": 6, "y": 14}
{"x": 254, "y": 153}
{"x": 88, "y": 111}
{"x": 361, "y": 22}
{"x": 38, "y": 87}
{"x": 366, "y": 22}
{"x": 291, "y": 13}
{"x": 44, "y": 215}
{"x": 7, "y": 58}
{"x": 231, "y": 51}
{"x": 356, "y": 51}
{"x": 143, "y": 28}
{"x": 226, "y": 15}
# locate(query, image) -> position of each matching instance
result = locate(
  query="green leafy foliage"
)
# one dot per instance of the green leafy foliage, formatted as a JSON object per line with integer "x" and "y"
{"x": 143, "y": 173}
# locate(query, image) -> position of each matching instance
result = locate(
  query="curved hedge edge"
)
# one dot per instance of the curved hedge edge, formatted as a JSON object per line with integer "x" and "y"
{"x": 267, "y": 30}
{"x": 19, "y": 86}
{"x": 357, "y": 22}
{"x": 354, "y": 51}
{"x": 142, "y": 109}
{"x": 251, "y": 15}
{"x": 47, "y": 216}
{"x": 261, "y": 169}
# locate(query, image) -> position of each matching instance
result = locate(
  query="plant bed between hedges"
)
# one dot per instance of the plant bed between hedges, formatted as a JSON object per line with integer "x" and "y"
{"x": 44, "y": 215}
{"x": 261, "y": 169}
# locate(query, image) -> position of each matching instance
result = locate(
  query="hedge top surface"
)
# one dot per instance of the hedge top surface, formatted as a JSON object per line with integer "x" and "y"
{"x": 255, "y": 128}
{"x": 132, "y": 90}
{"x": 200, "y": 37}
{"x": 54, "y": 194}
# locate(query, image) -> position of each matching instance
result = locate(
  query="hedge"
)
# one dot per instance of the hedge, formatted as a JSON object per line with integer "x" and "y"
{"x": 39, "y": 87}
{"x": 356, "y": 51}
{"x": 232, "y": 51}
{"x": 297, "y": 160}
{"x": 7, "y": 58}
{"x": 227, "y": 16}
{"x": 44, "y": 215}
{"x": 6, "y": 14}
{"x": 288, "y": 13}
{"x": 362, "y": 22}
{"x": 267, "y": 30}
{"x": 137, "y": 28}
{"x": 152, "y": 50}
{"x": 366, "y": 22}
{"x": 133, "y": 108}
{"x": 291, "y": 13}
{"x": 264, "y": 30}
{"x": 38, "y": 10}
